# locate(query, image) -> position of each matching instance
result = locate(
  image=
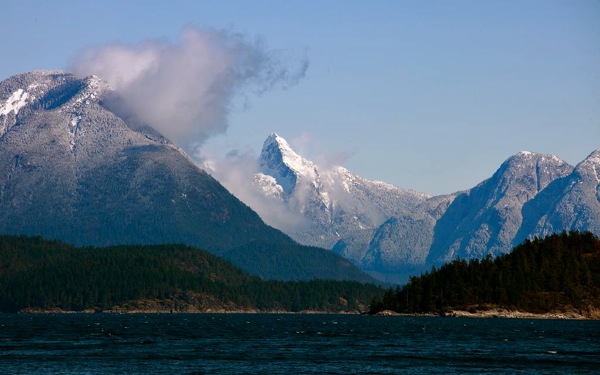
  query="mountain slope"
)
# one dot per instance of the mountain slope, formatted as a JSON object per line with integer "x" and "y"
{"x": 74, "y": 170}
{"x": 486, "y": 219}
{"x": 393, "y": 233}
{"x": 570, "y": 203}
{"x": 399, "y": 247}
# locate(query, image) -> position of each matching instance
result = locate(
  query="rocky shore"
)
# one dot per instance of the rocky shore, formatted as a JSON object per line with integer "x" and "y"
{"x": 176, "y": 306}
{"x": 591, "y": 314}
{"x": 515, "y": 314}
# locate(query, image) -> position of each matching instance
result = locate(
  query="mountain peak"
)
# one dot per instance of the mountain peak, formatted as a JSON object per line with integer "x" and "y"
{"x": 593, "y": 158}
{"x": 275, "y": 141}
{"x": 529, "y": 168}
{"x": 589, "y": 168}
{"x": 524, "y": 155}
{"x": 274, "y": 138}
{"x": 528, "y": 159}
{"x": 48, "y": 89}
{"x": 279, "y": 160}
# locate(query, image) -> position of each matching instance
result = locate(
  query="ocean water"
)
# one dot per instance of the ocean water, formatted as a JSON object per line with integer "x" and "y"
{"x": 293, "y": 344}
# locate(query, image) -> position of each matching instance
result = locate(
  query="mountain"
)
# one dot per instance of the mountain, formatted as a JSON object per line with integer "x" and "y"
{"x": 392, "y": 233}
{"x": 485, "y": 220}
{"x": 75, "y": 169}
{"x": 571, "y": 202}
{"x": 332, "y": 203}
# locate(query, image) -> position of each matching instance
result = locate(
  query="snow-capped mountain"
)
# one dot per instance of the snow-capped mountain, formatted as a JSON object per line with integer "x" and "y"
{"x": 332, "y": 202}
{"x": 73, "y": 169}
{"x": 391, "y": 232}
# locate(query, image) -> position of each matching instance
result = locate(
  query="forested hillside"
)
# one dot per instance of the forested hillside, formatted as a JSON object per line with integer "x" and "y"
{"x": 36, "y": 274}
{"x": 558, "y": 273}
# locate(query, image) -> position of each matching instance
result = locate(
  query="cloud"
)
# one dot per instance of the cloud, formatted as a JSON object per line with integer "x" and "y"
{"x": 319, "y": 151}
{"x": 186, "y": 89}
{"x": 237, "y": 173}
{"x": 300, "y": 214}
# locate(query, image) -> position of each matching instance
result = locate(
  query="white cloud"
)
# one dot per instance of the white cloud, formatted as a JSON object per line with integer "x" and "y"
{"x": 236, "y": 172}
{"x": 186, "y": 89}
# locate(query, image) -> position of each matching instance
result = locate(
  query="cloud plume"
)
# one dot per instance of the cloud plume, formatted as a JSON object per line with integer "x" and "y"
{"x": 186, "y": 89}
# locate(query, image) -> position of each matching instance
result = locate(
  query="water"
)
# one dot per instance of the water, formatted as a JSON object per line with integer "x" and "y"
{"x": 293, "y": 344}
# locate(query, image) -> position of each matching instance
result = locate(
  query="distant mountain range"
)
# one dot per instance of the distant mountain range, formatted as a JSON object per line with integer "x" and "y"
{"x": 72, "y": 168}
{"x": 393, "y": 233}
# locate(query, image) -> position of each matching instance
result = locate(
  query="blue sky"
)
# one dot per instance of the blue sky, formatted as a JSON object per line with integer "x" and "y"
{"x": 427, "y": 95}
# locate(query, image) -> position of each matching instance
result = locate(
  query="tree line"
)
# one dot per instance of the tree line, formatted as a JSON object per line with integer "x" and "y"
{"x": 37, "y": 273}
{"x": 556, "y": 273}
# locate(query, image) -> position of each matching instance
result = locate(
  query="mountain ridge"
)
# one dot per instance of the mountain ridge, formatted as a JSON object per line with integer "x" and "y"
{"x": 75, "y": 167}
{"x": 490, "y": 218}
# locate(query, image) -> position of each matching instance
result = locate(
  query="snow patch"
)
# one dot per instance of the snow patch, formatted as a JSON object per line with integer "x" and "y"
{"x": 346, "y": 186}
{"x": 325, "y": 198}
{"x": 15, "y": 102}
{"x": 73, "y": 129}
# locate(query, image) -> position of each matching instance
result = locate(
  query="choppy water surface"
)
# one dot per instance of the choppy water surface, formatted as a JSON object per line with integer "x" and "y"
{"x": 293, "y": 344}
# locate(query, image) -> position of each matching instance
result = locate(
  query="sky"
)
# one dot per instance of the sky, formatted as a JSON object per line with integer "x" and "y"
{"x": 427, "y": 95}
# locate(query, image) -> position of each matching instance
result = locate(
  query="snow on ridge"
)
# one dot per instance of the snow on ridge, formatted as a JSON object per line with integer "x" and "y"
{"x": 290, "y": 158}
{"x": 349, "y": 176}
{"x": 591, "y": 164}
{"x": 313, "y": 173}
{"x": 93, "y": 88}
{"x": 15, "y": 102}
{"x": 594, "y": 157}
{"x": 90, "y": 92}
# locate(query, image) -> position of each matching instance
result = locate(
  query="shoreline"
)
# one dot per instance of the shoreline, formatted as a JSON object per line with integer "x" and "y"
{"x": 487, "y": 314}
{"x": 593, "y": 314}
{"x": 34, "y": 311}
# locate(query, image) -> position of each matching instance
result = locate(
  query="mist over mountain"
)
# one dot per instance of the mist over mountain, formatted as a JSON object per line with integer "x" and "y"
{"x": 72, "y": 169}
{"x": 392, "y": 232}
{"x": 186, "y": 88}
